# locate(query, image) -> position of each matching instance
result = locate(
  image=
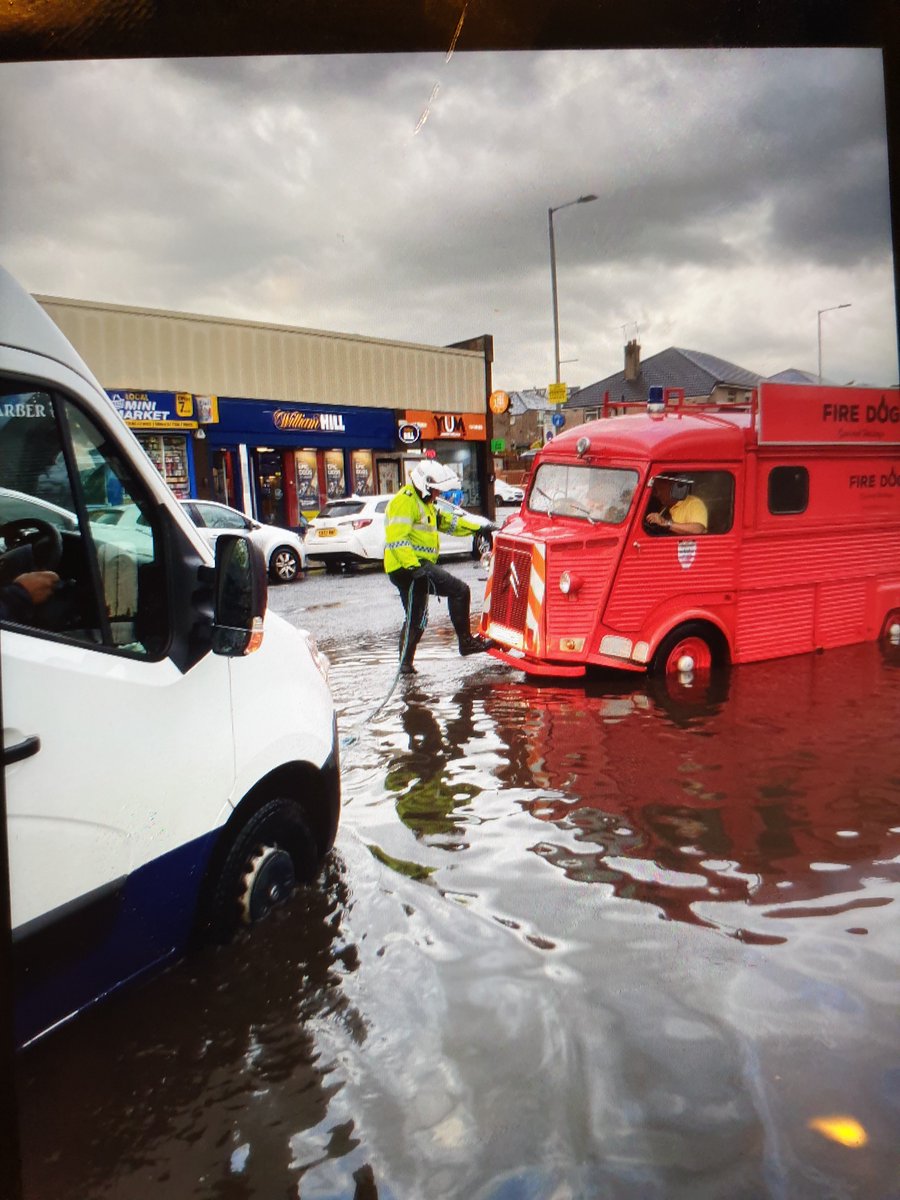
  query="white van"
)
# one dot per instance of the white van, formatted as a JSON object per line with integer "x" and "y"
{"x": 170, "y": 750}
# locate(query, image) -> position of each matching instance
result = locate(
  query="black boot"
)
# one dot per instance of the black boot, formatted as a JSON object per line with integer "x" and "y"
{"x": 474, "y": 645}
{"x": 406, "y": 662}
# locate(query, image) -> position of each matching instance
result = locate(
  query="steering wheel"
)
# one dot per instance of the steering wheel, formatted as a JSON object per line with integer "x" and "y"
{"x": 31, "y": 545}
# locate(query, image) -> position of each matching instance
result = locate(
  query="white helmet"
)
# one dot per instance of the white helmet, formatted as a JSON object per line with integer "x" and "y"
{"x": 430, "y": 474}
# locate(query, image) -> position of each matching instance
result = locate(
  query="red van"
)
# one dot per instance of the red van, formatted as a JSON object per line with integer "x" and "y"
{"x": 684, "y": 537}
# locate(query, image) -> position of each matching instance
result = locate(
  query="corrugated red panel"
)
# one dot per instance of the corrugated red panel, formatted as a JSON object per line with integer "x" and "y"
{"x": 655, "y": 573}
{"x": 774, "y": 623}
{"x": 817, "y": 557}
{"x": 576, "y": 615}
{"x": 841, "y": 613}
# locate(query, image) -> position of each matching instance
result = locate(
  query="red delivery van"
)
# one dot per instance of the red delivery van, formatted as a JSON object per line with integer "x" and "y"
{"x": 683, "y": 537}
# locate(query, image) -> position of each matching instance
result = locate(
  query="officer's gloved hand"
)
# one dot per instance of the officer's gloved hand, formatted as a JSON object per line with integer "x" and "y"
{"x": 418, "y": 573}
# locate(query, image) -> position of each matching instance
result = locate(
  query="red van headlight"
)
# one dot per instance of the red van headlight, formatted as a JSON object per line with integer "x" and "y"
{"x": 569, "y": 583}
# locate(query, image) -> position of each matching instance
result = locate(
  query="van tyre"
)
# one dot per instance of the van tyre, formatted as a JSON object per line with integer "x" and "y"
{"x": 694, "y": 641}
{"x": 284, "y": 565}
{"x": 272, "y": 853}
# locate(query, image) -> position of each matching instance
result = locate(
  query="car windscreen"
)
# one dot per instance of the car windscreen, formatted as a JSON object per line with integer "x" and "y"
{"x": 342, "y": 508}
{"x": 595, "y": 494}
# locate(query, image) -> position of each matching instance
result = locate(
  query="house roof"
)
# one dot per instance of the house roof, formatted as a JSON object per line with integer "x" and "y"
{"x": 793, "y": 375}
{"x": 531, "y": 400}
{"x": 696, "y": 372}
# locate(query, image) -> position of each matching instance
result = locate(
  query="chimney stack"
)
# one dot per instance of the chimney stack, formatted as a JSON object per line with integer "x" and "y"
{"x": 632, "y": 361}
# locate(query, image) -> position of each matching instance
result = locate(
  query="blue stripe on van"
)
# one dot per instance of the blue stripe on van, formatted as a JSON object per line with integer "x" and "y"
{"x": 120, "y": 934}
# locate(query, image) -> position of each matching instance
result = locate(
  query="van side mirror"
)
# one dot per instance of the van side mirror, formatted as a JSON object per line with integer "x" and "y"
{"x": 241, "y": 595}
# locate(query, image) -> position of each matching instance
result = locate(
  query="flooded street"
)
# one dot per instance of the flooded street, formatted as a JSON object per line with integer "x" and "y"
{"x": 592, "y": 940}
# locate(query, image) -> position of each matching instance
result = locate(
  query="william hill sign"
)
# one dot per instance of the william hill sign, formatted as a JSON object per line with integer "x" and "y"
{"x": 286, "y": 419}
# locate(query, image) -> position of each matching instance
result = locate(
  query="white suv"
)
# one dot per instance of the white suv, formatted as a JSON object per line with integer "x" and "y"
{"x": 351, "y": 530}
{"x": 282, "y": 548}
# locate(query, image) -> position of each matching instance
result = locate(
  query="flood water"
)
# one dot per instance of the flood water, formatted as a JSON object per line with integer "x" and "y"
{"x": 591, "y": 940}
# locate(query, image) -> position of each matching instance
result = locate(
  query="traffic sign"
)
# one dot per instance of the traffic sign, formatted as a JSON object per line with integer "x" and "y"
{"x": 558, "y": 420}
{"x": 498, "y": 445}
{"x": 557, "y": 393}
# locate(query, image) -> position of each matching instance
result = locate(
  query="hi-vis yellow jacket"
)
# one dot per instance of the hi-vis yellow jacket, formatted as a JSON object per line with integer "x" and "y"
{"x": 411, "y": 530}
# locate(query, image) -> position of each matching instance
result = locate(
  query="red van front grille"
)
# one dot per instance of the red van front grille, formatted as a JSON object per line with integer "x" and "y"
{"x": 509, "y": 586}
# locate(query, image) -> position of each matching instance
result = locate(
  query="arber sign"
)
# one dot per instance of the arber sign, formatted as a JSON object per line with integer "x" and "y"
{"x": 794, "y": 414}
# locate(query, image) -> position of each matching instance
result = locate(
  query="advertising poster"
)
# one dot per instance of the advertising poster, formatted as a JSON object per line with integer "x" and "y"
{"x": 361, "y": 466}
{"x": 334, "y": 474}
{"x": 307, "y": 473}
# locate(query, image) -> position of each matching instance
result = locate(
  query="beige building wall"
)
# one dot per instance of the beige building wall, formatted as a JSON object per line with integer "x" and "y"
{"x": 168, "y": 351}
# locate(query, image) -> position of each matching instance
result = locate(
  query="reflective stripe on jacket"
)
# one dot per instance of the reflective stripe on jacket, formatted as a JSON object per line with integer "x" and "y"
{"x": 411, "y": 527}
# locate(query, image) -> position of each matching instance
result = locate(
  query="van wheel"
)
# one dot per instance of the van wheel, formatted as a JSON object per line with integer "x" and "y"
{"x": 690, "y": 641}
{"x": 284, "y": 565}
{"x": 273, "y": 852}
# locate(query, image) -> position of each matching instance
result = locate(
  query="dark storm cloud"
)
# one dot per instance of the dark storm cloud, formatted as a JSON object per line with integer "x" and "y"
{"x": 407, "y": 195}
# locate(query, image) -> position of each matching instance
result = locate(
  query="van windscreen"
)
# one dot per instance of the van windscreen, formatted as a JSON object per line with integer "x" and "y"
{"x": 595, "y": 494}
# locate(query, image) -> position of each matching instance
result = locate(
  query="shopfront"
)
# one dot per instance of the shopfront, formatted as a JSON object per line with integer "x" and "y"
{"x": 165, "y": 424}
{"x": 280, "y": 460}
{"x": 455, "y": 439}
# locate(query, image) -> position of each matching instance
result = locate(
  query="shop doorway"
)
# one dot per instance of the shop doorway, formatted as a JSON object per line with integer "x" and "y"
{"x": 223, "y": 480}
{"x": 270, "y": 503}
{"x": 388, "y": 470}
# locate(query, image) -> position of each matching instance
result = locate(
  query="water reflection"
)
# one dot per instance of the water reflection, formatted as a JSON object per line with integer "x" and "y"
{"x": 427, "y": 794}
{"x": 692, "y": 799}
{"x": 513, "y": 983}
{"x": 206, "y": 1081}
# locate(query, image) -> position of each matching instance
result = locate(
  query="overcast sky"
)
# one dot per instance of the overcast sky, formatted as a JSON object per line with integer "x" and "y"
{"x": 406, "y": 196}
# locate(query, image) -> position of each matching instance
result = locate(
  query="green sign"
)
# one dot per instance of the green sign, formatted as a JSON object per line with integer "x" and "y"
{"x": 498, "y": 445}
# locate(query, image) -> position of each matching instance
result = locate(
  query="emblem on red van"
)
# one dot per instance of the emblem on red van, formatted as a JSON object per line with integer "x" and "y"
{"x": 687, "y": 552}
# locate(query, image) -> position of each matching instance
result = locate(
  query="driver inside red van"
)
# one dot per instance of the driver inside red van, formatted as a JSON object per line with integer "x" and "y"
{"x": 680, "y": 512}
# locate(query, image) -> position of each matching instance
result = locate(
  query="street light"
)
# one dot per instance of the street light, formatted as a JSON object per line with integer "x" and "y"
{"x": 550, "y": 212}
{"x": 833, "y": 308}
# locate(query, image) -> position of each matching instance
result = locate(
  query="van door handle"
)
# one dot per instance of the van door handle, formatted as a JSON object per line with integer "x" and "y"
{"x": 636, "y": 546}
{"x": 23, "y": 749}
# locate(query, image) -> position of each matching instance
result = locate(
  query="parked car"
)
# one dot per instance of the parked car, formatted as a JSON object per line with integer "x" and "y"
{"x": 508, "y": 493}
{"x": 351, "y": 530}
{"x": 283, "y": 549}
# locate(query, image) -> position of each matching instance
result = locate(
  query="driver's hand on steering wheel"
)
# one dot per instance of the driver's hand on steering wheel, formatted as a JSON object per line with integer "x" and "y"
{"x": 39, "y": 585}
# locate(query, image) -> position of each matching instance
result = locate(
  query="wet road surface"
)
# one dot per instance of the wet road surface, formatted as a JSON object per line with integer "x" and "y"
{"x": 592, "y": 940}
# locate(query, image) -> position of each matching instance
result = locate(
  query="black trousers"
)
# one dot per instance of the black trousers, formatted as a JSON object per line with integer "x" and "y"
{"x": 414, "y": 588}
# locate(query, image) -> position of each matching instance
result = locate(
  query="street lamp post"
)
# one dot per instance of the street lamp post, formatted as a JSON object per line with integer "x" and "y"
{"x": 833, "y": 308}
{"x": 550, "y": 212}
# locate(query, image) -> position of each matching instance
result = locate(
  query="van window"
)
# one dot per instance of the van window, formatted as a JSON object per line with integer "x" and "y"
{"x": 788, "y": 490}
{"x": 595, "y": 494}
{"x": 69, "y": 504}
{"x": 714, "y": 489}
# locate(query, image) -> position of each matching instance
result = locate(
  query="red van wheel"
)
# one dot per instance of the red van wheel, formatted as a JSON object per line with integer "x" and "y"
{"x": 688, "y": 641}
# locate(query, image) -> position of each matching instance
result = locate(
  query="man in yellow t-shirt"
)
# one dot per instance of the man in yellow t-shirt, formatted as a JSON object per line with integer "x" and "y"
{"x": 680, "y": 513}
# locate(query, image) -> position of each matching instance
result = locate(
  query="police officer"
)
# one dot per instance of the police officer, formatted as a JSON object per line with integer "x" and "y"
{"x": 412, "y": 522}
